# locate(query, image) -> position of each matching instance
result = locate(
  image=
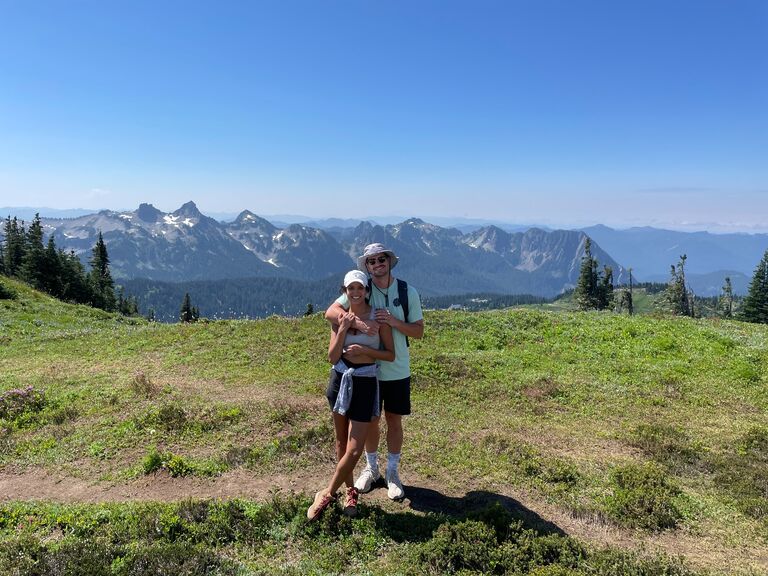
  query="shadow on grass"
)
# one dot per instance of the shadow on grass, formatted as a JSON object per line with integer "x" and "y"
{"x": 428, "y": 500}
{"x": 487, "y": 507}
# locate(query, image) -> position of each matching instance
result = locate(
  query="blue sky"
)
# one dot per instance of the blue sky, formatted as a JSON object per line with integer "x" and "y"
{"x": 563, "y": 113}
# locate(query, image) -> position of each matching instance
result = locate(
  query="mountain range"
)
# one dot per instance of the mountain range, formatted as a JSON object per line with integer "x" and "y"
{"x": 186, "y": 245}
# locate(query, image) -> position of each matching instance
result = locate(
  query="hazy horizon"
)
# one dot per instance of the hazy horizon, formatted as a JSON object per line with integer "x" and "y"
{"x": 28, "y": 213}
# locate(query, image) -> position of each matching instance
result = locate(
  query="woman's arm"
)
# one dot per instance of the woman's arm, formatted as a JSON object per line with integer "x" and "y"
{"x": 359, "y": 353}
{"x": 338, "y": 333}
{"x": 385, "y": 334}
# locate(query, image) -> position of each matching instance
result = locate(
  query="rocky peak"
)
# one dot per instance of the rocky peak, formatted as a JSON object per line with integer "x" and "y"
{"x": 189, "y": 210}
{"x": 148, "y": 213}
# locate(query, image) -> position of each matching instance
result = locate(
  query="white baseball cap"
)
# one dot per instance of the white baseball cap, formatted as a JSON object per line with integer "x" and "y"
{"x": 355, "y": 276}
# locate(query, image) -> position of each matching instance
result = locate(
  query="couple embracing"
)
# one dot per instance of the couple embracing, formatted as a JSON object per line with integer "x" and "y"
{"x": 371, "y": 323}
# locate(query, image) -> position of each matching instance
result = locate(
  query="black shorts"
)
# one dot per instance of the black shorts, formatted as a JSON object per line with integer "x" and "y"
{"x": 396, "y": 396}
{"x": 363, "y": 396}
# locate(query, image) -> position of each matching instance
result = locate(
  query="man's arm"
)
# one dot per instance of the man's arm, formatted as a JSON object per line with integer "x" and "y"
{"x": 410, "y": 329}
{"x": 334, "y": 312}
{"x": 414, "y": 329}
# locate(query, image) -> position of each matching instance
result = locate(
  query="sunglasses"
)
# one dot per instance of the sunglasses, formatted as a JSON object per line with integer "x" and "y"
{"x": 380, "y": 260}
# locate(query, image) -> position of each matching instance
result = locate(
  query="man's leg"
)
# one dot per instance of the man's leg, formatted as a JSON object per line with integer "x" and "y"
{"x": 394, "y": 433}
{"x": 370, "y": 474}
{"x": 399, "y": 398}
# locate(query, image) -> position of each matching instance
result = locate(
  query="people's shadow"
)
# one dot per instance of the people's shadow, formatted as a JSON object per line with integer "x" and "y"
{"x": 439, "y": 508}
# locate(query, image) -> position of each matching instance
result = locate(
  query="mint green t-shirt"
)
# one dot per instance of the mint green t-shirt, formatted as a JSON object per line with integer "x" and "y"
{"x": 401, "y": 367}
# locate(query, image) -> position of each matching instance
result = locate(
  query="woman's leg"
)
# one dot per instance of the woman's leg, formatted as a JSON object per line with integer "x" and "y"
{"x": 355, "y": 445}
{"x": 341, "y": 428}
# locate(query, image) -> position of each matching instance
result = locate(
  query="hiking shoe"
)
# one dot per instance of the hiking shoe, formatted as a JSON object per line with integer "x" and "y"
{"x": 350, "y": 502}
{"x": 394, "y": 486}
{"x": 321, "y": 503}
{"x": 368, "y": 477}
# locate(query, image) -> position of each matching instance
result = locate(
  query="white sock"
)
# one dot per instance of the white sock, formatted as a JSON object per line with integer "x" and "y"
{"x": 393, "y": 461}
{"x": 372, "y": 459}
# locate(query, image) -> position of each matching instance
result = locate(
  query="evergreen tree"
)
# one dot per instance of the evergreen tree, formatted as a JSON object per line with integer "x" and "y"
{"x": 605, "y": 289}
{"x": 74, "y": 281}
{"x": 100, "y": 278}
{"x": 185, "y": 314}
{"x": 594, "y": 290}
{"x": 630, "y": 303}
{"x": 755, "y": 305}
{"x": 151, "y": 315}
{"x": 52, "y": 281}
{"x": 726, "y": 299}
{"x": 677, "y": 296}
{"x": 310, "y": 309}
{"x": 14, "y": 246}
{"x": 32, "y": 269}
{"x": 585, "y": 293}
{"x": 127, "y": 306}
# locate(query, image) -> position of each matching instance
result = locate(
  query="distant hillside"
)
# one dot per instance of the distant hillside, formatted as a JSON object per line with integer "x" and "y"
{"x": 236, "y": 298}
{"x": 650, "y": 251}
{"x": 31, "y": 313}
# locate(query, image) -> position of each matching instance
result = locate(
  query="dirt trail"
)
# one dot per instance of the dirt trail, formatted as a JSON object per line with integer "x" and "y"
{"x": 422, "y": 495}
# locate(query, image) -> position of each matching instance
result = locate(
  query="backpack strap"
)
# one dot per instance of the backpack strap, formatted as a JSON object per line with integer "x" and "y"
{"x": 402, "y": 294}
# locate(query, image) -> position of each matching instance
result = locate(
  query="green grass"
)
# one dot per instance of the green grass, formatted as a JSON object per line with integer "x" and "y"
{"x": 653, "y": 427}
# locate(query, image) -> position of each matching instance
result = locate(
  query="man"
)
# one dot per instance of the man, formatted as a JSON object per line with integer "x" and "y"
{"x": 394, "y": 377}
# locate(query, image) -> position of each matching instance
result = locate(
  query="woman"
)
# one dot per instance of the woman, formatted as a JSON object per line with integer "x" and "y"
{"x": 353, "y": 391}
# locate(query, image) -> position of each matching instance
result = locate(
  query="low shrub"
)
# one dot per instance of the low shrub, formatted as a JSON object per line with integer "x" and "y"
{"x": 142, "y": 385}
{"x": 177, "y": 465}
{"x": 175, "y": 558}
{"x": 171, "y": 416}
{"x": 467, "y": 545}
{"x": 643, "y": 497}
{"x": 743, "y": 472}
{"x": 19, "y": 401}
{"x": 7, "y": 293}
{"x": 668, "y": 445}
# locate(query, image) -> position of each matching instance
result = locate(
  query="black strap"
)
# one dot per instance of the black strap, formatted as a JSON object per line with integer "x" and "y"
{"x": 402, "y": 295}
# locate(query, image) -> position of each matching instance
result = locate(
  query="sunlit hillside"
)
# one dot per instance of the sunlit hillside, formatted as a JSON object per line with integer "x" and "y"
{"x": 541, "y": 442}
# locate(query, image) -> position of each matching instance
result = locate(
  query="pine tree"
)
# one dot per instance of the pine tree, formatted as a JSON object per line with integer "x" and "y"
{"x": 75, "y": 284}
{"x": 100, "y": 278}
{"x": 52, "y": 281}
{"x": 594, "y": 290}
{"x": 755, "y": 306}
{"x": 32, "y": 269}
{"x": 629, "y": 301}
{"x": 726, "y": 299}
{"x": 677, "y": 295}
{"x": 585, "y": 293}
{"x": 14, "y": 245}
{"x": 185, "y": 314}
{"x": 605, "y": 289}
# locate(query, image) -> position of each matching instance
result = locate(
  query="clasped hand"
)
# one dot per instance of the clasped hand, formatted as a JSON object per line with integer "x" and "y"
{"x": 349, "y": 320}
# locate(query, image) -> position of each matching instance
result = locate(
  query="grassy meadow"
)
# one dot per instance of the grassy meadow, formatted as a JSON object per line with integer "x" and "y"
{"x": 542, "y": 441}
